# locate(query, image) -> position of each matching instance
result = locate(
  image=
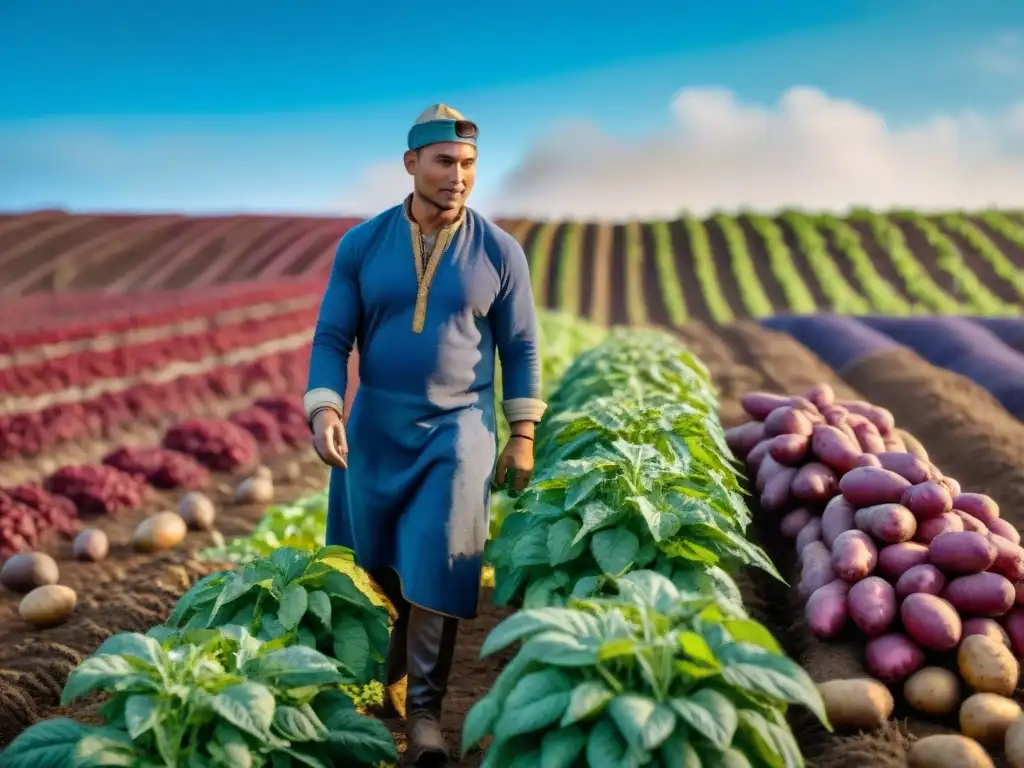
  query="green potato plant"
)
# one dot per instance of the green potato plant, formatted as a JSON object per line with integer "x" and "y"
{"x": 652, "y": 676}
{"x": 207, "y": 699}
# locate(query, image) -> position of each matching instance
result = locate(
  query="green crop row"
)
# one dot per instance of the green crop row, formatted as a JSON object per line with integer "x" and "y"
{"x": 636, "y": 302}
{"x": 670, "y": 281}
{"x": 635, "y": 648}
{"x": 842, "y": 296}
{"x": 707, "y": 275}
{"x": 916, "y": 280}
{"x": 570, "y": 268}
{"x": 540, "y": 260}
{"x": 979, "y": 298}
{"x": 780, "y": 259}
{"x": 751, "y": 291}
{"x": 837, "y": 256}
{"x": 1002, "y": 224}
{"x": 979, "y": 241}
{"x": 883, "y": 297}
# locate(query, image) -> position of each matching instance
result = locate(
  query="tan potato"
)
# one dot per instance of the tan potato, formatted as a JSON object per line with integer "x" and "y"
{"x": 161, "y": 531}
{"x": 933, "y": 690}
{"x": 25, "y": 571}
{"x": 197, "y": 511}
{"x": 255, "y": 490}
{"x": 48, "y": 605}
{"x": 987, "y": 716}
{"x": 987, "y": 665}
{"x": 862, "y": 703}
{"x": 948, "y": 750}
{"x": 292, "y": 471}
{"x": 263, "y": 471}
{"x": 91, "y": 545}
{"x": 1014, "y": 744}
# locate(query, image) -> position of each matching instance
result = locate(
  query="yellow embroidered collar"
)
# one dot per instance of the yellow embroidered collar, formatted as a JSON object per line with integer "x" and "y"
{"x": 425, "y": 271}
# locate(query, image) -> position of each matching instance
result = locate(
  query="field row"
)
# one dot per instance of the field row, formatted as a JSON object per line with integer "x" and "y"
{"x": 667, "y": 272}
{"x": 988, "y": 351}
{"x": 964, "y": 435}
{"x": 727, "y": 268}
{"x": 726, "y": 665}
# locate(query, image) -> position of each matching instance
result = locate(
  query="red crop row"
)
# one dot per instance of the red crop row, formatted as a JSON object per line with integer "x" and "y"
{"x": 93, "y": 365}
{"x": 190, "y": 449}
{"x": 92, "y": 315}
{"x": 32, "y": 433}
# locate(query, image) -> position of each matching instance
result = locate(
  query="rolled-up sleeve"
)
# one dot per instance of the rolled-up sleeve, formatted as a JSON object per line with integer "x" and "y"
{"x": 335, "y": 334}
{"x": 514, "y": 319}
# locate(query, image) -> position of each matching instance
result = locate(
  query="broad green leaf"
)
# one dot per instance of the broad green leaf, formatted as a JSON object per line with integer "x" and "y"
{"x": 235, "y": 586}
{"x": 595, "y": 515}
{"x": 479, "y": 722}
{"x": 356, "y": 739}
{"x": 641, "y": 720}
{"x": 651, "y": 589}
{"x": 606, "y": 748}
{"x": 524, "y": 623}
{"x": 749, "y": 631}
{"x": 47, "y": 744}
{"x": 545, "y": 591}
{"x": 291, "y": 563}
{"x": 614, "y": 550}
{"x": 613, "y": 649}
{"x": 296, "y": 666}
{"x": 141, "y": 712}
{"x": 758, "y": 671}
{"x": 538, "y": 699}
{"x": 204, "y": 590}
{"x": 561, "y": 536}
{"x": 351, "y": 644}
{"x": 230, "y": 746}
{"x": 708, "y": 713}
{"x": 678, "y": 752}
{"x": 755, "y": 737}
{"x": 662, "y": 525}
{"x": 294, "y": 602}
{"x": 559, "y": 749}
{"x": 96, "y": 673}
{"x": 531, "y": 548}
{"x": 582, "y": 488}
{"x": 560, "y": 649}
{"x": 146, "y": 649}
{"x": 103, "y": 747}
{"x": 297, "y": 724}
{"x": 248, "y": 706}
{"x": 588, "y": 700}
{"x": 697, "y": 649}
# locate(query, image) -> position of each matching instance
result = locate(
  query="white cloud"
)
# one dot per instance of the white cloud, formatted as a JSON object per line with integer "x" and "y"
{"x": 809, "y": 150}
{"x": 1003, "y": 55}
{"x": 380, "y": 186}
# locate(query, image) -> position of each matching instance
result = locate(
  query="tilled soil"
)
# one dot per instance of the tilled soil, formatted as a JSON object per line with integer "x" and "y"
{"x": 124, "y": 593}
{"x": 968, "y": 434}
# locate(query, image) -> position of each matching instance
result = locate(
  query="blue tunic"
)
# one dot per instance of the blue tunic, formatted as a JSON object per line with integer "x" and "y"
{"x": 421, "y": 433}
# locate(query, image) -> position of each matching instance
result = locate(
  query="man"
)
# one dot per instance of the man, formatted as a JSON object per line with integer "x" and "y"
{"x": 429, "y": 289}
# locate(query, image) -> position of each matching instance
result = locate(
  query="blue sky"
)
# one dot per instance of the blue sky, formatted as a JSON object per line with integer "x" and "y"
{"x": 303, "y": 106}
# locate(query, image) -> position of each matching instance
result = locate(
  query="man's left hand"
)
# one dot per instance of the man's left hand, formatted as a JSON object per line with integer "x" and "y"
{"x": 516, "y": 458}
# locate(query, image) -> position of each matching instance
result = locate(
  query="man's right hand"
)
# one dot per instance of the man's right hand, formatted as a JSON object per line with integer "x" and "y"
{"x": 329, "y": 440}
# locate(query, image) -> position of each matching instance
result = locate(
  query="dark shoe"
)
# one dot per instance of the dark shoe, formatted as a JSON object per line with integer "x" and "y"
{"x": 431, "y": 647}
{"x": 427, "y": 745}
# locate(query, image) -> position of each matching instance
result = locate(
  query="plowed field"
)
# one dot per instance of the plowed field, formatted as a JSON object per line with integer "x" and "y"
{"x": 605, "y": 273}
